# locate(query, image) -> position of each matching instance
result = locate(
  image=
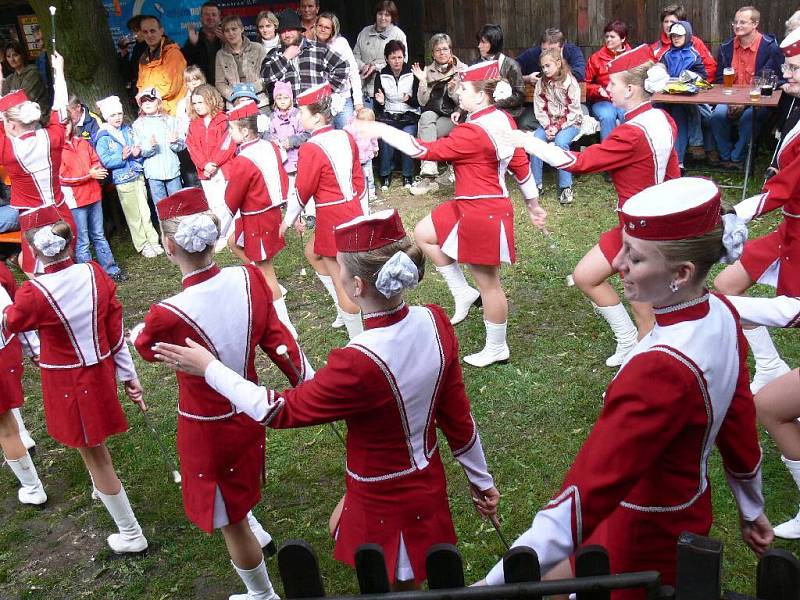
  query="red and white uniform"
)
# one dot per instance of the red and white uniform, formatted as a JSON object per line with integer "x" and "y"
{"x": 637, "y": 154}
{"x": 257, "y": 186}
{"x": 79, "y": 318}
{"x": 393, "y": 385}
{"x": 477, "y": 225}
{"x": 221, "y": 452}
{"x": 642, "y": 474}
{"x": 774, "y": 259}
{"x": 79, "y": 188}
{"x": 781, "y": 311}
{"x": 328, "y": 170}
{"x": 11, "y": 348}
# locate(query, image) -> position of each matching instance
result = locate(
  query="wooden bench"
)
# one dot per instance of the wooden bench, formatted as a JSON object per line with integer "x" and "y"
{"x": 10, "y": 237}
{"x": 529, "y": 87}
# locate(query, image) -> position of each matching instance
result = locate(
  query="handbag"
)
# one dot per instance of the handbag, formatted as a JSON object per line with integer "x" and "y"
{"x": 439, "y": 100}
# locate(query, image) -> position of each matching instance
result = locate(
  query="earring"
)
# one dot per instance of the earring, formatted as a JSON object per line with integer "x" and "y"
{"x": 673, "y": 286}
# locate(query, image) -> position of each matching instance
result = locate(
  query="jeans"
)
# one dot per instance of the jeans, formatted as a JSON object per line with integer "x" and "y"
{"x": 9, "y": 218}
{"x": 387, "y": 156}
{"x": 344, "y": 117}
{"x": 369, "y": 176}
{"x": 562, "y": 140}
{"x": 608, "y": 115}
{"x": 721, "y": 128}
{"x": 161, "y": 188}
{"x": 89, "y": 221}
{"x": 682, "y": 116}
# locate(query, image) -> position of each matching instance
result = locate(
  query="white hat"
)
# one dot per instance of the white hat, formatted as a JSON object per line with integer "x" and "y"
{"x": 109, "y": 106}
{"x": 677, "y": 29}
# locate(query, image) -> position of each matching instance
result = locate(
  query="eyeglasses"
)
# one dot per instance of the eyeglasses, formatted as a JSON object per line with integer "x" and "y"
{"x": 788, "y": 69}
{"x": 443, "y": 50}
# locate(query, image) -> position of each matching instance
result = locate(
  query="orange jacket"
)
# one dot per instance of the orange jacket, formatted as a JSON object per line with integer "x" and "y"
{"x": 597, "y": 72}
{"x": 164, "y": 73}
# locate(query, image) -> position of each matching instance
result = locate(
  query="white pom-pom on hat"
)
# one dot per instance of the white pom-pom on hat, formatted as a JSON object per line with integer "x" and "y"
{"x": 197, "y": 232}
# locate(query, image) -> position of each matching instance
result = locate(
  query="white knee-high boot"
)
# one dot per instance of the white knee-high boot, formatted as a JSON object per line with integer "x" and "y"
{"x": 769, "y": 364}
{"x": 259, "y": 587}
{"x": 624, "y": 330}
{"x": 464, "y": 295}
{"x": 130, "y": 537}
{"x": 283, "y": 315}
{"x": 262, "y": 535}
{"x": 31, "y": 490}
{"x": 353, "y": 324}
{"x": 790, "y": 530}
{"x": 327, "y": 282}
{"x": 495, "y": 350}
{"x": 24, "y": 435}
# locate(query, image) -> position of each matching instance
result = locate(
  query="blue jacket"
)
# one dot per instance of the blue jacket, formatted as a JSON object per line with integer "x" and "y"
{"x": 685, "y": 58}
{"x": 160, "y": 159}
{"x": 769, "y": 56}
{"x": 529, "y": 60}
{"x": 109, "y": 149}
{"x": 90, "y": 127}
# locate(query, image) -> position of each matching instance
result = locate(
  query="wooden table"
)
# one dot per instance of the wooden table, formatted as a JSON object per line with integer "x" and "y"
{"x": 739, "y": 95}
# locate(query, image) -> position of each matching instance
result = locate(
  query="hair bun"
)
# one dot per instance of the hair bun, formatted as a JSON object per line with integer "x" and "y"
{"x": 734, "y": 235}
{"x": 398, "y": 274}
{"x": 48, "y": 242}
{"x": 196, "y": 232}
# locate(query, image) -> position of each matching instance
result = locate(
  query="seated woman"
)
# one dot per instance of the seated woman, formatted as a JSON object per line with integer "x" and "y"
{"x": 490, "y": 47}
{"x": 615, "y": 36}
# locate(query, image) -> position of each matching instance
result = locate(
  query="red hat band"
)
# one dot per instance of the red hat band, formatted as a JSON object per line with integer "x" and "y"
{"x": 47, "y": 215}
{"x": 188, "y": 201}
{"x": 248, "y": 109}
{"x": 314, "y": 94}
{"x": 13, "y": 99}
{"x": 630, "y": 59}
{"x": 481, "y": 71}
{"x": 790, "y": 46}
{"x": 674, "y": 210}
{"x": 366, "y": 233}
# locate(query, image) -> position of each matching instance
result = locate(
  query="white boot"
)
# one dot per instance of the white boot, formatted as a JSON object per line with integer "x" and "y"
{"x": 31, "y": 490}
{"x": 353, "y": 323}
{"x": 769, "y": 365}
{"x": 790, "y": 530}
{"x": 624, "y": 331}
{"x": 259, "y": 587}
{"x": 24, "y": 435}
{"x": 262, "y": 535}
{"x": 130, "y": 537}
{"x": 283, "y": 315}
{"x": 327, "y": 282}
{"x": 495, "y": 350}
{"x": 463, "y": 294}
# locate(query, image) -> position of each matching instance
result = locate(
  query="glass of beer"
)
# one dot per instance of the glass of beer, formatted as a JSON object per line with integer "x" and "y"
{"x": 728, "y": 75}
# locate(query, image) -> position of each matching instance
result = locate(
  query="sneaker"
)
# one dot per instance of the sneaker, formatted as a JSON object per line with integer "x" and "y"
{"x": 423, "y": 185}
{"x": 565, "y": 197}
{"x": 428, "y": 168}
{"x": 119, "y": 277}
{"x": 157, "y": 249}
{"x": 387, "y": 182}
{"x": 408, "y": 182}
{"x": 448, "y": 177}
{"x": 148, "y": 251}
{"x": 311, "y": 223}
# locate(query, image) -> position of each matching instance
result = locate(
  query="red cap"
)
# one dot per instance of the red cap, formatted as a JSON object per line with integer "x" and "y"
{"x": 13, "y": 99}
{"x": 370, "y": 232}
{"x": 790, "y": 46}
{"x": 314, "y": 94}
{"x": 630, "y": 59}
{"x": 674, "y": 210}
{"x": 248, "y": 109}
{"x": 489, "y": 69}
{"x": 188, "y": 201}
{"x": 46, "y": 215}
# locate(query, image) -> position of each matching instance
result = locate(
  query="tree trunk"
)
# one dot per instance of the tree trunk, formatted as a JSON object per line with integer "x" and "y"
{"x": 84, "y": 40}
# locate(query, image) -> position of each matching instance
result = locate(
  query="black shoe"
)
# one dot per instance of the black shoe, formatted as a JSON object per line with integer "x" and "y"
{"x": 387, "y": 182}
{"x": 311, "y": 222}
{"x": 408, "y": 182}
{"x": 119, "y": 277}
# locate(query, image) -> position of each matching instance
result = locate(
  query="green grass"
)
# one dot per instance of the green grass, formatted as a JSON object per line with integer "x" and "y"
{"x": 533, "y": 415}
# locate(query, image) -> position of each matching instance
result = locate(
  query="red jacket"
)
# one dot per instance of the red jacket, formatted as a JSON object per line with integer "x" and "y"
{"x": 709, "y": 62}
{"x": 597, "y": 73}
{"x": 210, "y": 144}
{"x": 79, "y": 188}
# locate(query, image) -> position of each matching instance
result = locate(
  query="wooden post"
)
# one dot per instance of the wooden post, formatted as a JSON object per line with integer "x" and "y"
{"x": 699, "y": 572}
{"x": 444, "y": 566}
{"x": 778, "y": 576}
{"x": 371, "y": 569}
{"x": 592, "y": 560}
{"x": 299, "y": 570}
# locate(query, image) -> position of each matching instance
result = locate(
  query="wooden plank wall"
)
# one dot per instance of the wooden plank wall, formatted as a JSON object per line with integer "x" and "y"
{"x": 583, "y": 20}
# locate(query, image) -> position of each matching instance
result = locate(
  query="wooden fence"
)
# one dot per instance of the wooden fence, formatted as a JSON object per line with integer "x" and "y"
{"x": 699, "y": 575}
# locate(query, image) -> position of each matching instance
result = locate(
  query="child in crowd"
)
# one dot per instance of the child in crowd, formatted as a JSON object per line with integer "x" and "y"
{"x": 557, "y": 106}
{"x": 284, "y": 126}
{"x": 246, "y": 92}
{"x": 81, "y": 174}
{"x": 194, "y": 77}
{"x": 120, "y": 154}
{"x": 367, "y": 150}
{"x": 158, "y": 135}
{"x": 682, "y": 56}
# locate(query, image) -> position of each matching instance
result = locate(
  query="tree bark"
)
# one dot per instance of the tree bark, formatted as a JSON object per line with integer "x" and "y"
{"x": 83, "y": 38}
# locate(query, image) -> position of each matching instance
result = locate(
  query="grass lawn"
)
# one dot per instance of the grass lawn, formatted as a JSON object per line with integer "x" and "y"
{"x": 533, "y": 414}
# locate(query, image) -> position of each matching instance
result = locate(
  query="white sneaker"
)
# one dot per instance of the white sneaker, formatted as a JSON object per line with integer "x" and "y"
{"x": 148, "y": 251}
{"x": 790, "y": 530}
{"x": 463, "y": 304}
{"x": 622, "y": 351}
{"x": 423, "y": 185}
{"x": 565, "y": 197}
{"x": 764, "y": 376}
{"x": 429, "y": 168}
{"x": 489, "y": 355}
{"x": 448, "y": 177}
{"x": 158, "y": 249}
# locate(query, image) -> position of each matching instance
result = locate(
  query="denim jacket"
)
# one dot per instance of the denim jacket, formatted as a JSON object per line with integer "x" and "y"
{"x": 109, "y": 144}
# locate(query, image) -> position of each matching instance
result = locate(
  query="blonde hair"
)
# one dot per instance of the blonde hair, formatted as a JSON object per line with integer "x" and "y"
{"x": 160, "y": 110}
{"x": 212, "y": 98}
{"x": 194, "y": 72}
{"x": 170, "y": 226}
{"x": 487, "y": 86}
{"x": 637, "y": 76}
{"x": 554, "y": 54}
{"x": 365, "y": 114}
{"x": 366, "y": 265}
{"x": 702, "y": 251}
{"x": 321, "y": 108}
{"x": 26, "y": 113}
{"x": 59, "y": 228}
{"x": 269, "y": 16}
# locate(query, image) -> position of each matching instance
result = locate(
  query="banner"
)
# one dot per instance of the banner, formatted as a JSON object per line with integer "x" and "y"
{"x": 177, "y": 15}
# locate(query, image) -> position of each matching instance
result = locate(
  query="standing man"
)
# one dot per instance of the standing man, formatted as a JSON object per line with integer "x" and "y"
{"x": 302, "y": 63}
{"x": 161, "y": 65}
{"x": 749, "y": 52}
{"x": 309, "y": 9}
{"x": 201, "y": 47}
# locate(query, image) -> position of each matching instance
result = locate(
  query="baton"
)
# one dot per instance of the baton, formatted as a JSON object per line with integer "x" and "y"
{"x": 282, "y": 350}
{"x": 53, "y": 26}
{"x": 176, "y": 476}
{"x": 496, "y": 525}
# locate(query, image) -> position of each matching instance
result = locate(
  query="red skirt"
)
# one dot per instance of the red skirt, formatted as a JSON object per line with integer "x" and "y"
{"x": 228, "y": 453}
{"x": 328, "y": 217}
{"x": 415, "y": 505}
{"x": 476, "y": 232}
{"x": 611, "y": 243}
{"x": 258, "y": 234}
{"x": 11, "y": 376}
{"x": 28, "y": 258}
{"x": 81, "y": 405}
{"x": 760, "y": 254}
